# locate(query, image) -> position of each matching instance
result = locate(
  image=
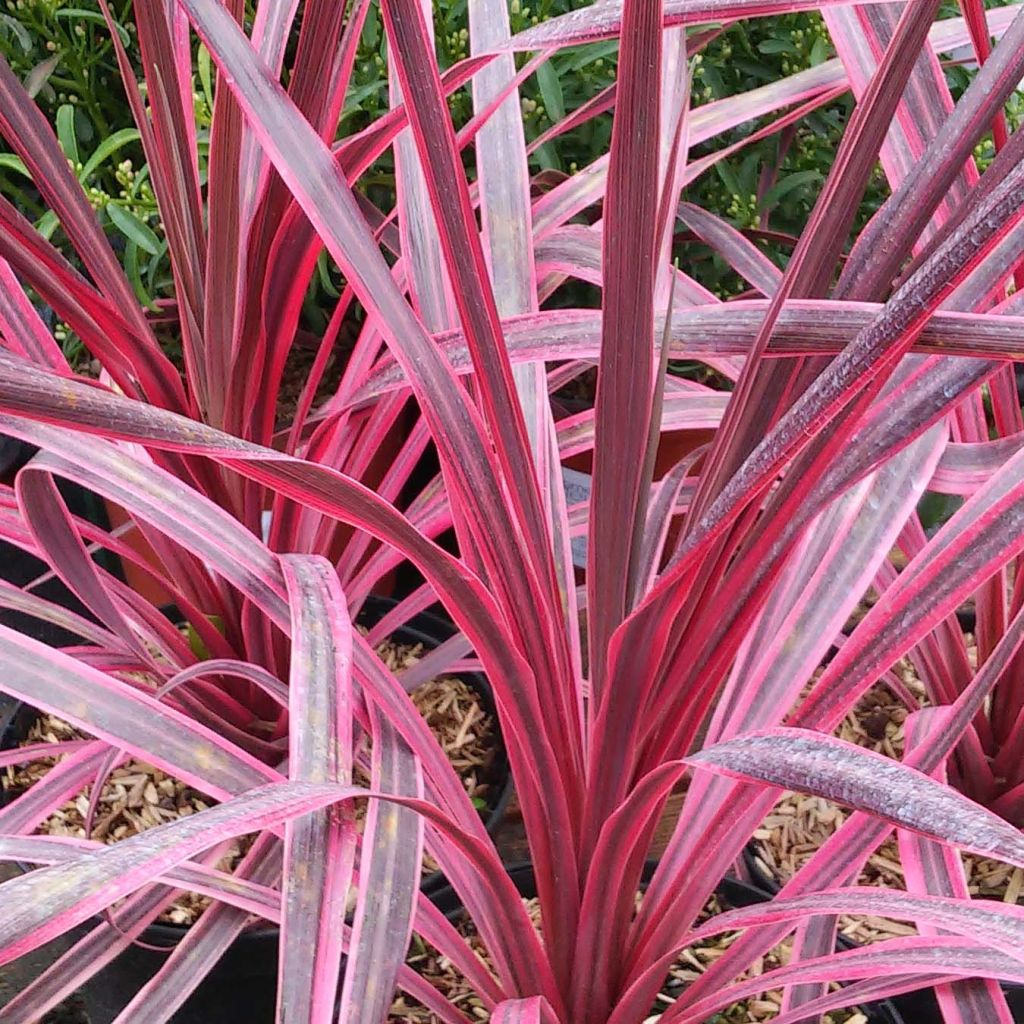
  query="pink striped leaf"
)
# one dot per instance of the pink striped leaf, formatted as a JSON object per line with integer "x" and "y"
{"x": 225, "y": 270}
{"x": 33, "y": 751}
{"x": 535, "y": 1010}
{"x": 1002, "y": 924}
{"x": 510, "y": 936}
{"x": 88, "y": 956}
{"x": 843, "y": 854}
{"x": 169, "y": 142}
{"x": 869, "y": 356}
{"x": 319, "y": 847}
{"x": 978, "y": 539}
{"x": 966, "y": 957}
{"x": 24, "y": 601}
{"x": 849, "y": 542}
{"x": 935, "y": 868}
{"x": 260, "y": 677}
{"x": 619, "y": 853}
{"x": 467, "y": 274}
{"x": 872, "y": 355}
{"x": 804, "y": 327}
{"x": 322, "y": 488}
{"x": 115, "y": 711}
{"x": 226, "y": 888}
{"x": 389, "y": 875}
{"x": 605, "y": 20}
{"x": 29, "y": 134}
{"x": 859, "y": 36}
{"x": 21, "y": 326}
{"x": 772, "y": 388}
{"x": 47, "y": 516}
{"x": 964, "y": 468}
{"x": 859, "y": 993}
{"x": 906, "y": 213}
{"x": 506, "y": 219}
{"x": 156, "y": 496}
{"x": 137, "y": 368}
{"x": 684, "y": 411}
{"x": 45, "y": 903}
{"x": 430, "y": 291}
{"x": 501, "y": 531}
{"x": 306, "y": 166}
{"x": 739, "y": 252}
{"x": 625, "y": 396}
{"x": 865, "y": 780}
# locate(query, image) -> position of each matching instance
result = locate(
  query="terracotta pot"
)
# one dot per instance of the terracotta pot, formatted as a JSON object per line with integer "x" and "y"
{"x": 138, "y": 580}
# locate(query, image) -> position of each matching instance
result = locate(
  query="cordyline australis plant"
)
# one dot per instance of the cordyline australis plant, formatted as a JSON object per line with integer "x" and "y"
{"x": 710, "y": 595}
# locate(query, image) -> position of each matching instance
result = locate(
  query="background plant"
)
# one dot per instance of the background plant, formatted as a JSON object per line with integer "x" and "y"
{"x": 772, "y": 182}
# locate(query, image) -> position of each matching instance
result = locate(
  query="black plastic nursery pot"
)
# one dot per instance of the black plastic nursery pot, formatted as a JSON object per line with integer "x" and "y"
{"x": 920, "y": 1007}
{"x": 13, "y": 455}
{"x": 733, "y": 892}
{"x": 19, "y": 568}
{"x": 431, "y": 631}
{"x": 242, "y": 986}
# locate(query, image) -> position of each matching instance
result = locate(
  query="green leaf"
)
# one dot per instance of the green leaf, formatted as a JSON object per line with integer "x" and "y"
{"x": 551, "y": 92}
{"x": 792, "y": 181}
{"x": 749, "y": 172}
{"x": 133, "y": 229}
{"x": 935, "y": 509}
{"x": 758, "y": 72}
{"x": 66, "y": 132}
{"x": 776, "y": 46}
{"x": 588, "y": 54}
{"x": 131, "y": 269}
{"x": 15, "y": 27}
{"x": 323, "y": 272}
{"x": 110, "y": 145}
{"x": 47, "y": 224}
{"x": 10, "y": 162}
{"x": 79, "y": 14}
{"x": 820, "y": 51}
{"x": 356, "y": 96}
{"x": 714, "y": 81}
{"x": 84, "y": 130}
{"x": 547, "y": 157}
{"x": 205, "y": 74}
{"x": 729, "y": 179}
{"x": 40, "y": 74}
{"x": 195, "y": 641}
{"x": 371, "y": 29}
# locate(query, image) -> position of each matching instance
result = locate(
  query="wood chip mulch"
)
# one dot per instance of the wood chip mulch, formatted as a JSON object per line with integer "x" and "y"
{"x": 440, "y": 972}
{"x": 137, "y": 796}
